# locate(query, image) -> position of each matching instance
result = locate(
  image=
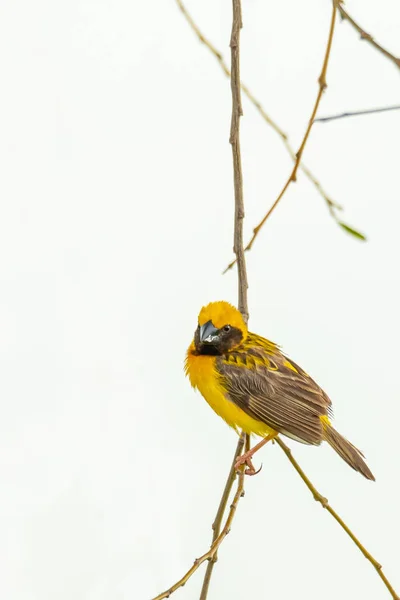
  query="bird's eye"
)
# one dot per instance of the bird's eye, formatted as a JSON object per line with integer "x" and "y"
{"x": 227, "y": 328}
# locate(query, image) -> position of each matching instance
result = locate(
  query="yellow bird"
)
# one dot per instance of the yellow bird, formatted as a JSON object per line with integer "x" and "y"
{"x": 254, "y": 387}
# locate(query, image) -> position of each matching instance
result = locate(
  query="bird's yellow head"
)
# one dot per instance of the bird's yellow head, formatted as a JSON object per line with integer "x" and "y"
{"x": 221, "y": 328}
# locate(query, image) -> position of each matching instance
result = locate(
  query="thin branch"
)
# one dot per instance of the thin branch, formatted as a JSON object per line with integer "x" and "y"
{"x": 234, "y": 140}
{"x": 257, "y": 104}
{"x": 366, "y": 36}
{"x": 214, "y": 548}
{"x": 356, "y": 113}
{"x": 292, "y": 177}
{"x": 244, "y": 439}
{"x": 216, "y": 526}
{"x": 324, "y": 503}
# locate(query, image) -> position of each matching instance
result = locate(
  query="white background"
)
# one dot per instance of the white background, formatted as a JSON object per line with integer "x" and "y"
{"x": 116, "y": 222}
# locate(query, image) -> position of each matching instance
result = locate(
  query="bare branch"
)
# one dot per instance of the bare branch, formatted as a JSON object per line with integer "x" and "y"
{"x": 218, "y": 541}
{"x": 292, "y": 177}
{"x": 356, "y": 113}
{"x": 331, "y": 204}
{"x": 216, "y": 526}
{"x": 244, "y": 439}
{"x": 234, "y": 140}
{"x": 366, "y": 36}
{"x": 324, "y": 503}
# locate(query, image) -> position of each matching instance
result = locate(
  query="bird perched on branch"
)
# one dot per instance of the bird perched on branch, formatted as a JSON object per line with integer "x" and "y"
{"x": 254, "y": 387}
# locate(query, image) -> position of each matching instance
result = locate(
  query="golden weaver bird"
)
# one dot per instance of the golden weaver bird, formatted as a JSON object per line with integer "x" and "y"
{"x": 254, "y": 387}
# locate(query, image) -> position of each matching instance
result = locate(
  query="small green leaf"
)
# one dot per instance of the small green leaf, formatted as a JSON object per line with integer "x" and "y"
{"x": 352, "y": 231}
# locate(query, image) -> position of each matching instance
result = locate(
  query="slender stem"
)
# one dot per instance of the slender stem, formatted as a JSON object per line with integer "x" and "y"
{"x": 356, "y": 113}
{"x": 214, "y": 548}
{"x": 257, "y": 104}
{"x": 234, "y": 140}
{"x": 324, "y": 502}
{"x": 218, "y": 536}
{"x": 292, "y": 177}
{"x": 216, "y": 526}
{"x": 366, "y": 36}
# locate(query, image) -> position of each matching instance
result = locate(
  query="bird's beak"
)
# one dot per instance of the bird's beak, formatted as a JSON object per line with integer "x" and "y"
{"x": 208, "y": 333}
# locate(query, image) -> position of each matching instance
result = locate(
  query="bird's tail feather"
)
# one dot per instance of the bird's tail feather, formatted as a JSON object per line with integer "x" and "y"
{"x": 347, "y": 451}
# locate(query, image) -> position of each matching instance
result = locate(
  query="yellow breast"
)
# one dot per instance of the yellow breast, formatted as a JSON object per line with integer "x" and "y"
{"x": 203, "y": 375}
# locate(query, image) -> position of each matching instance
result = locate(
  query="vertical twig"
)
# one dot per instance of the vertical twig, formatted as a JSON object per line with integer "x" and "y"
{"x": 214, "y": 548}
{"x": 238, "y": 249}
{"x": 234, "y": 140}
{"x": 216, "y": 526}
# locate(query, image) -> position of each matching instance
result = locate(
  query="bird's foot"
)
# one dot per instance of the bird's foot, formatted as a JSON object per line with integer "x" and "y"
{"x": 245, "y": 459}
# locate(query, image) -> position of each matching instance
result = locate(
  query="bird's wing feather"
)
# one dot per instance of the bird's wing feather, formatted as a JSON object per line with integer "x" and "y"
{"x": 272, "y": 389}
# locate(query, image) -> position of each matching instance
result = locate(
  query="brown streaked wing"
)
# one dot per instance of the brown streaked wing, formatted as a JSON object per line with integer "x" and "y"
{"x": 286, "y": 400}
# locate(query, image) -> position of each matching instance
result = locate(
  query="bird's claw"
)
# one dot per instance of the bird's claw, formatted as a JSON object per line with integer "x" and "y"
{"x": 250, "y": 470}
